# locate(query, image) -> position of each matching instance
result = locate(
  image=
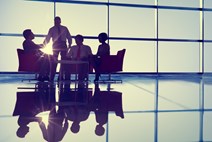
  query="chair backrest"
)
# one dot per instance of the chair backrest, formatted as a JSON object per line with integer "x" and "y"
{"x": 28, "y": 62}
{"x": 112, "y": 63}
{"x": 120, "y": 55}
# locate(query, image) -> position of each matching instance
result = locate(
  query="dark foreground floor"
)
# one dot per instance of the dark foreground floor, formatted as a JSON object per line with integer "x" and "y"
{"x": 143, "y": 108}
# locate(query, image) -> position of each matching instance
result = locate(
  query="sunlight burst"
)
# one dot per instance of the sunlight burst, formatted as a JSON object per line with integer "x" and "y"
{"x": 47, "y": 49}
{"x": 45, "y": 117}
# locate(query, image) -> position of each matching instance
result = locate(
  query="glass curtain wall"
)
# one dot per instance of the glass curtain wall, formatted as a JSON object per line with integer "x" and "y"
{"x": 158, "y": 35}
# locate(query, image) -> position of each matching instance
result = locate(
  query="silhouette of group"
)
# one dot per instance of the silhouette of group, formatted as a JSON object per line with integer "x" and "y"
{"x": 62, "y": 45}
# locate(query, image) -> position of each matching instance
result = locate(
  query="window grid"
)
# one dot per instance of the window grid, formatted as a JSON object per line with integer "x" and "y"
{"x": 108, "y": 4}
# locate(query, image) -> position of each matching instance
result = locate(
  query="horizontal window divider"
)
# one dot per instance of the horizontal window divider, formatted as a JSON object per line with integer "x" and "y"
{"x": 128, "y": 5}
{"x": 119, "y": 38}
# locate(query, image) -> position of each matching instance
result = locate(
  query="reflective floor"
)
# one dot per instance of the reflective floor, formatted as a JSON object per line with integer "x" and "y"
{"x": 143, "y": 108}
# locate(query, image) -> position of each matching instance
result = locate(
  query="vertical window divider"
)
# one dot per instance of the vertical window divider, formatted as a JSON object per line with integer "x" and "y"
{"x": 108, "y": 20}
{"x": 156, "y": 29}
{"x": 203, "y": 37}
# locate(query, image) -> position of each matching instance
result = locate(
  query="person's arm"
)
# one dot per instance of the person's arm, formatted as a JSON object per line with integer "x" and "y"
{"x": 98, "y": 50}
{"x": 48, "y": 37}
{"x": 108, "y": 49}
{"x": 90, "y": 51}
{"x": 90, "y": 54}
{"x": 43, "y": 130}
{"x": 68, "y": 54}
{"x": 65, "y": 128}
{"x": 36, "y": 46}
{"x": 30, "y": 46}
{"x": 68, "y": 36}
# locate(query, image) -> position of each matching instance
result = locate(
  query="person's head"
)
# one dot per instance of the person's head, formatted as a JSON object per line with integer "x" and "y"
{"x": 75, "y": 127}
{"x": 28, "y": 34}
{"x": 57, "y": 21}
{"x": 79, "y": 39}
{"x": 22, "y": 131}
{"x": 100, "y": 130}
{"x": 102, "y": 37}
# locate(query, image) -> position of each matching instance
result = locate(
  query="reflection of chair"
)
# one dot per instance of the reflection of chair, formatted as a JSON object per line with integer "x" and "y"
{"x": 112, "y": 64}
{"x": 28, "y": 62}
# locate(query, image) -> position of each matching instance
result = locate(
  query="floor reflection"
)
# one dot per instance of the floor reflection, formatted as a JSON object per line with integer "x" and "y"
{"x": 67, "y": 105}
{"x": 149, "y": 108}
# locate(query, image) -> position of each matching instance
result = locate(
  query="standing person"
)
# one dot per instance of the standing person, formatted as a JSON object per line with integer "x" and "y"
{"x": 30, "y": 47}
{"x": 103, "y": 50}
{"x": 59, "y": 34}
{"x": 80, "y": 52}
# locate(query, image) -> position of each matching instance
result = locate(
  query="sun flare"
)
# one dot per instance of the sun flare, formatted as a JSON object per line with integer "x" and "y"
{"x": 47, "y": 49}
{"x": 45, "y": 117}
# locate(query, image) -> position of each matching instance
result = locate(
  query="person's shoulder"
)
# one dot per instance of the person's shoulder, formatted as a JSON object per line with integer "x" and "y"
{"x": 52, "y": 28}
{"x": 74, "y": 46}
{"x": 106, "y": 45}
{"x": 64, "y": 27}
{"x": 26, "y": 42}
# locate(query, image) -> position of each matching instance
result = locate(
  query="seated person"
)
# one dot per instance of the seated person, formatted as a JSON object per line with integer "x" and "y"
{"x": 103, "y": 50}
{"x": 80, "y": 52}
{"x": 30, "y": 47}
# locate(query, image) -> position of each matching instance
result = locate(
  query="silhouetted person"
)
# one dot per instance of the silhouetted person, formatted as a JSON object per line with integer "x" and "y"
{"x": 30, "y": 47}
{"x": 80, "y": 52}
{"x": 59, "y": 34}
{"x": 103, "y": 50}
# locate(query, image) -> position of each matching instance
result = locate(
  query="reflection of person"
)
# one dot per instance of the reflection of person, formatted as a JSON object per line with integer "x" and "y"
{"x": 78, "y": 111}
{"x": 30, "y": 47}
{"x": 80, "y": 52}
{"x": 102, "y": 102}
{"x": 59, "y": 34}
{"x": 23, "y": 122}
{"x": 103, "y": 50}
{"x": 56, "y": 130}
{"x": 77, "y": 114}
{"x": 29, "y": 105}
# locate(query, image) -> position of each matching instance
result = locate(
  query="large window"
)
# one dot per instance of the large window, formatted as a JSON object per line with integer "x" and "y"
{"x": 158, "y": 35}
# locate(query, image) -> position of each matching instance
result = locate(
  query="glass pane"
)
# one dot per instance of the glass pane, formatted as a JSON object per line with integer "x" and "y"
{"x": 179, "y": 24}
{"x": 134, "y": 127}
{"x": 178, "y": 57}
{"x": 207, "y": 94}
{"x": 184, "y": 126}
{"x": 17, "y": 15}
{"x": 208, "y": 3}
{"x": 185, "y": 98}
{"x": 207, "y": 57}
{"x": 83, "y": 19}
{"x": 132, "y": 22}
{"x": 139, "y": 56}
{"x": 207, "y": 26}
{"x": 9, "y": 58}
{"x": 182, "y": 3}
{"x": 141, "y": 90}
{"x": 207, "y": 126}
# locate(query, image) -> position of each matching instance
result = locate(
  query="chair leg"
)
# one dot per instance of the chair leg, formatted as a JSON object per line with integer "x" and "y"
{"x": 109, "y": 76}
